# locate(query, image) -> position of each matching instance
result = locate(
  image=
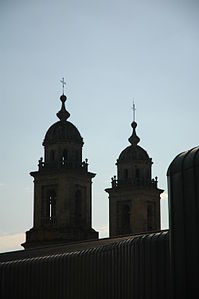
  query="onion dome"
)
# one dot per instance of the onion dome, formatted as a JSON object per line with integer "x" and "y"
{"x": 134, "y": 151}
{"x": 63, "y": 130}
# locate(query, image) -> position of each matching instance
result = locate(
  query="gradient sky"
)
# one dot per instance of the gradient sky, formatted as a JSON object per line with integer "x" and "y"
{"x": 109, "y": 53}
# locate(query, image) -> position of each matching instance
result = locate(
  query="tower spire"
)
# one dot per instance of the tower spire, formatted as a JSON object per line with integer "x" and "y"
{"x": 134, "y": 139}
{"x": 63, "y": 114}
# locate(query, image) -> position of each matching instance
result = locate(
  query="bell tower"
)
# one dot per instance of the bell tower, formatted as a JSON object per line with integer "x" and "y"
{"x": 134, "y": 198}
{"x": 62, "y": 188}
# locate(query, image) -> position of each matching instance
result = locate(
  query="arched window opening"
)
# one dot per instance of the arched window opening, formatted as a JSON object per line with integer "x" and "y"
{"x": 51, "y": 206}
{"x": 150, "y": 216}
{"x": 137, "y": 173}
{"x": 64, "y": 157}
{"x": 126, "y": 174}
{"x": 78, "y": 207}
{"x": 125, "y": 219}
{"x": 52, "y": 155}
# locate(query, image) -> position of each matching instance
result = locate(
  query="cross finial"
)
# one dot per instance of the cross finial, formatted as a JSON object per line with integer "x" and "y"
{"x": 63, "y": 83}
{"x": 134, "y": 109}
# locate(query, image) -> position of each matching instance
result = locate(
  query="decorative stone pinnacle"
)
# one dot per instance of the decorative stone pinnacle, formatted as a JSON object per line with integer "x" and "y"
{"x": 63, "y": 114}
{"x": 134, "y": 139}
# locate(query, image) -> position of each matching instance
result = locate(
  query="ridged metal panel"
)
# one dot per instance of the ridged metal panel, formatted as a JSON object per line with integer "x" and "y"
{"x": 183, "y": 180}
{"x": 134, "y": 268}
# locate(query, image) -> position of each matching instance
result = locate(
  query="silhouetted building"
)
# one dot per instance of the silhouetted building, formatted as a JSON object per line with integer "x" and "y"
{"x": 62, "y": 188}
{"x": 158, "y": 265}
{"x": 183, "y": 187}
{"x": 58, "y": 265}
{"x": 134, "y": 199}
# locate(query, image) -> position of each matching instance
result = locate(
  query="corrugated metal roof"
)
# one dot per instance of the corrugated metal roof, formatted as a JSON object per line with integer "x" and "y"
{"x": 120, "y": 268}
{"x": 72, "y": 247}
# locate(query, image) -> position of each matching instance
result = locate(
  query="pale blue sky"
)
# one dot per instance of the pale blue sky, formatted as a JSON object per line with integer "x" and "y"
{"x": 109, "y": 52}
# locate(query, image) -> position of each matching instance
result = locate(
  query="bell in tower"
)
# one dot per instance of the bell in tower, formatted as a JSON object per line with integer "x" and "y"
{"x": 134, "y": 198}
{"x": 62, "y": 188}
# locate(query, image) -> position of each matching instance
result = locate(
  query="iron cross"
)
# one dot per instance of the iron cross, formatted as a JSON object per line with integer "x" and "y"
{"x": 63, "y": 83}
{"x": 134, "y": 109}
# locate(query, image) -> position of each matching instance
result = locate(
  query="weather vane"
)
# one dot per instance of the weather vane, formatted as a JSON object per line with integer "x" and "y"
{"x": 134, "y": 109}
{"x": 63, "y": 83}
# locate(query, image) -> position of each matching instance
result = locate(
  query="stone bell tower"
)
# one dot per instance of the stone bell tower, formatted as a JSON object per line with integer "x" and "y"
{"x": 62, "y": 188}
{"x": 134, "y": 198}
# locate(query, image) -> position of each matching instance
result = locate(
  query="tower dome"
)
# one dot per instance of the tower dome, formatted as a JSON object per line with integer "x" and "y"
{"x": 133, "y": 152}
{"x": 134, "y": 162}
{"x": 62, "y": 142}
{"x": 63, "y": 130}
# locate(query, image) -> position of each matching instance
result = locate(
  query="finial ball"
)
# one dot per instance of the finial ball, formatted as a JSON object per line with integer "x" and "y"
{"x": 134, "y": 124}
{"x": 63, "y": 98}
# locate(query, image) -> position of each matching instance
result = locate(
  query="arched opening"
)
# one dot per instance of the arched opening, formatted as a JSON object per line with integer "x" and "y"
{"x": 137, "y": 173}
{"x": 64, "y": 158}
{"x": 78, "y": 207}
{"x": 51, "y": 206}
{"x": 151, "y": 216}
{"x": 52, "y": 155}
{"x": 125, "y": 219}
{"x": 126, "y": 174}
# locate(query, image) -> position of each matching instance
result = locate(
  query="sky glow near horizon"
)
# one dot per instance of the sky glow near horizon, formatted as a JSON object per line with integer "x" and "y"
{"x": 109, "y": 53}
